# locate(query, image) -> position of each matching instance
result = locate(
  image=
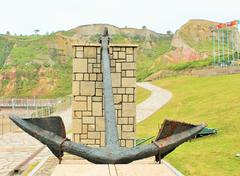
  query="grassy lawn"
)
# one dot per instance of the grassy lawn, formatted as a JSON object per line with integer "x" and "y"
{"x": 142, "y": 94}
{"x": 213, "y": 100}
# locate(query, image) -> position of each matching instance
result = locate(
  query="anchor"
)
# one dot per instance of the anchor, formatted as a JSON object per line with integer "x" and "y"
{"x": 51, "y": 130}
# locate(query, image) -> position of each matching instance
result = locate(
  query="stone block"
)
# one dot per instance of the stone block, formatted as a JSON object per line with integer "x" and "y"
{"x": 131, "y": 120}
{"x": 88, "y": 120}
{"x": 89, "y": 103}
{"x": 99, "y": 84}
{"x": 129, "y": 50}
{"x": 94, "y": 135}
{"x": 83, "y": 136}
{"x": 99, "y": 92}
{"x": 118, "y": 67}
{"x": 100, "y": 124}
{"x": 79, "y": 105}
{"x": 115, "y": 55}
{"x": 129, "y": 82}
{"x": 116, "y": 79}
{"x": 116, "y": 48}
{"x": 102, "y": 140}
{"x": 93, "y": 77}
{"x": 77, "y": 114}
{"x": 88, "y": 141}
{"x": 87, "y": 88}
{"x": 125, "y": 98}
{"x": 129, "y": 143}
{"x": 86, "y": 77}
{"x": 128, "y": 109}
{"x": 79, "y": 54}
{"x": 80, "y": 65}
{"x": 90, "y": 68}
{"x": 130, "y": 58}
{"x": 128, "y": 135}
{"x": 79, "y": 77}
{"x": 87, "y": 113}
{"x": 129, "y": 73}
{"x": 77, "y": 125}
{"x": 129, "y": 90}
{"x": 128, "y": 66}
{"x": 97, "y": 99}
{"x": 127, "y": 128}
{"x": 117, "y": 99}
{"x": 80, "y": 98}
{"x": 121, "y": 90}
{"x": 122, "y": 143}
{"x": 75, "y": 88}
{"x": 122, "y": 121}
{"x": 131, "y": 98}
{"x": 90, "y": 52}
{"x": 76, "y": 137}
{"x": 91, "y": 127}
{"x": 84, "y": 129}
{"x": 79, "y": 48}
{"x": 121, "y": 55}
{"x": 97, "y": 109}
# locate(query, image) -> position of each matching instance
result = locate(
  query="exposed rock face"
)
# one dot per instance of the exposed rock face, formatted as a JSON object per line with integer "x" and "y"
{"x": 181, "y": 51}
{"x": 191, "y": 42}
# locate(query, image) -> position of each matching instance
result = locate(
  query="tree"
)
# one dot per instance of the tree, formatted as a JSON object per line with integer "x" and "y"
{"x": 36, "y": 31}
{"x": 8, "y": 33}
{"x": 169, "y": 32}
{"x": 144, "y": 27}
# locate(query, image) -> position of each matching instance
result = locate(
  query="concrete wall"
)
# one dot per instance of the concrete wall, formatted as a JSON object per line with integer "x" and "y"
{"x": 88, "y": 110}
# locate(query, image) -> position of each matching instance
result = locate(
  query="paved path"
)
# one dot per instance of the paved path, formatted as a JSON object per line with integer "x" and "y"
{"x": 157, "y": 99}
{"x": 17, "y": 147}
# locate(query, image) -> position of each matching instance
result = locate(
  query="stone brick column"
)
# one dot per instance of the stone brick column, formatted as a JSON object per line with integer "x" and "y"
{"x": 88, "y": 121}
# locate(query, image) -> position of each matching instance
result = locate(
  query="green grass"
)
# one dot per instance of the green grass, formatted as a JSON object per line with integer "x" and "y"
{"x": 147, "y": 57}
{"x": 191, "y": 65}
{"x": 213, "y": 100}
{"x": 5, "y": 49}
{"x": 142, "y": 94}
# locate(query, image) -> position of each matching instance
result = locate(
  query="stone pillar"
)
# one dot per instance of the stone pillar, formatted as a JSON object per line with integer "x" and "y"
{"x": 88, "y": 121}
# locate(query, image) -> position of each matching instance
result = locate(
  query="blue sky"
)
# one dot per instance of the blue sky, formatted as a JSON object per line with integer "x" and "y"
{"x": 23, "y": 16}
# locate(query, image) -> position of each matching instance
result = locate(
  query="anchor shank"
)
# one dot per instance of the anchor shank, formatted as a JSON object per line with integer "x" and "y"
{"x": 111, "y": 132}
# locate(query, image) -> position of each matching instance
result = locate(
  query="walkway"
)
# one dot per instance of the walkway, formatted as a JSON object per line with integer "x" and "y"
{"x": 17, "y": 147}
{"x": 158, "y": 98}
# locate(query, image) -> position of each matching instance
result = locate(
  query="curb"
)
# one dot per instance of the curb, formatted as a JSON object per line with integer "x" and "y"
{"x": 176, "y": 172}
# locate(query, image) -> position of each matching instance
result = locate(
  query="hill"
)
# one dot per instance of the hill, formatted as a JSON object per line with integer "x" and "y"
{"x": 39, "y": 65}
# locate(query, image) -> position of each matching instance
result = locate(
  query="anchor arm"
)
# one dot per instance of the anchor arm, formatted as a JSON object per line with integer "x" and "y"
{"x": 111, "y": 134}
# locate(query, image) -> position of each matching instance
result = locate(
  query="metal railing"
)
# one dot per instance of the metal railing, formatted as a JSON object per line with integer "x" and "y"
{"x": 7, "y": 126}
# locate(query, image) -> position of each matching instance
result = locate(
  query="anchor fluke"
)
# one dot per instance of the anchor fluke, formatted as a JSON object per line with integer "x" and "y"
{"x": 52, "y": 124}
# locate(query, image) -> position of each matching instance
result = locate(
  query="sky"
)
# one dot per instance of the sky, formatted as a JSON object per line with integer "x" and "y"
{"x": 24, "y": 16}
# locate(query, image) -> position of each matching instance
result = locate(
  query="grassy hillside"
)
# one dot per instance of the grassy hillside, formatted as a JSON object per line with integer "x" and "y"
{"x": 39, "y": 65}
{"x": 213, "y": 100}
{"x": 196, "y": 34}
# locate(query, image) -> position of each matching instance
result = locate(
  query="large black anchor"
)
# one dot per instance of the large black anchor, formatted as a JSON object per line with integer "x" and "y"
{"x": 51, "y": 131}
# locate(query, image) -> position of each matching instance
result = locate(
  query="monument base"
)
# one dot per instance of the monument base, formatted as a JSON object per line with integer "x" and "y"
{"x": 138, "y": 168}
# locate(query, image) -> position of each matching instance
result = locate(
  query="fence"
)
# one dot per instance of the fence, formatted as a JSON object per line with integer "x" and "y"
{"x": 47, "y": 108}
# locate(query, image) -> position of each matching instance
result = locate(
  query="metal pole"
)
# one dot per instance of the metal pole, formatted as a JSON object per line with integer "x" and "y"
{"x": 214, "y": 54}
{"x": 223, "y": 53}
{"x": 218, "y": 46}
{"x": 233, "y": 48}
{"x": 237, "y": 38}
{"x": 228, "y": 45}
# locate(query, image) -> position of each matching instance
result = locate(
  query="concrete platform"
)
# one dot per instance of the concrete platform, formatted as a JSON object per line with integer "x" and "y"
{"x": 144, "y": 167}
